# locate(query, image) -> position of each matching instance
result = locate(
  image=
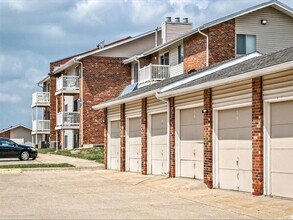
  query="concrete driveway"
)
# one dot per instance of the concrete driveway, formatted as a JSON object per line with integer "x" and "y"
{"x": 87, "y": 194}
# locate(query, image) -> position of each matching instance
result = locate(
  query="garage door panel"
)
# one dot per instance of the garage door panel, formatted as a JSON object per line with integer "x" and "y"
{"x": 245, "y": 159}
{"x": 134, "y": 165}
{"x": 115, "y": 127}
{"x": 191, "y": 132}
{"x": 281, "y": 142}
{"x": 159, "y": 167}
{"x": 187, "y": 168}
{"x": 191, "y": 151}
{"x": 115, "y": 142}
{"x": 199, "y": 170}
{"x": 114, "y": 163}
{"x": 228, "y": 179}
{"x": 115, "y": 150}
{"x": 282, "y": 160}
{"x": 135, "y": 151}
{"x": 279, "y": 186}
{"x": 282, "y": 131}
{"x": 280, "y": 112}
{"x": 134, "y": 124}
{"x": 228, "y": 159}
{"x": 227, "y": 119}
{"x": 159, "y": 139}
{"x": 159, "y": 151}
{"x": 135, "y": 140}
{"x": 244, "y": 117}
{"x": 245, "y": 180}
{"x": 243, "y": 133}
{"x": 192, "y": 116}
{"x": 159, "y": 121}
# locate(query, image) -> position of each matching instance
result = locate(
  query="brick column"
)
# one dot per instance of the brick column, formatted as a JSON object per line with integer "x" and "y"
{"x": 144, "y": 136}
{"x": 207, "y": 138}
{"x": 257, "y": 136}
{"x": 172, "y": 136}
{"x": 105, "y": 121}
{"x": 53, "y": 113}
{"x": 122, "y": 138}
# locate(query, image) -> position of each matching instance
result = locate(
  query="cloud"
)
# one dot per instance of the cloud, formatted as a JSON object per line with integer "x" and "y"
{"x": 8, "y": 98}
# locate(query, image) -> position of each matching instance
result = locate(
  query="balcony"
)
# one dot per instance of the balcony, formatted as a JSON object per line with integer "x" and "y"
{"x": 67, "y": 85}
{"x": 41, "y": 99}
{"x": 41, "y": 127}
{"x": 152, "y": 73}
{"x": 67, "y": 120}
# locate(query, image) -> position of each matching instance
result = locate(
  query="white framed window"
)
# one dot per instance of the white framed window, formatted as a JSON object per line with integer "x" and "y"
{"x": 246, "y": 44}
{"x": 180, "y": 54}
{"x": 134, "y": 72}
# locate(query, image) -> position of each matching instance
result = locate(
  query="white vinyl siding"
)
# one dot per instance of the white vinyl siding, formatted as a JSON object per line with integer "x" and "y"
{"x": 155, "y": 105}
{"x": 189, "y": 99}
{"x": 173, "y": 29}
{"x": 279, "y": 85}
{"x": 232, "y": 94}
{"x": 133, "y": 108}
{"x": 113, "y": 112}
{"x": 275, "y": 35}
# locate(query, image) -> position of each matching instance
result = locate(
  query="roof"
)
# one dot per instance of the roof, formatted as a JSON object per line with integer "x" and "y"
{"x": 13, "y": 127}
{"x": 273, "y": 3}
{"x": 45, "y": 79}
{"x": 153, "y": 88}
{"x": 258, "y": 66}
{"x": 75, "y": 58}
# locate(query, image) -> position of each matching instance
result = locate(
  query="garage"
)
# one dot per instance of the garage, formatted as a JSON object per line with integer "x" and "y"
{"x": 235, "y": 149}
{"x": 281, "y": 149}
{"x": 159, "y": 153}
{"x": 114, "y": 145}
{"x": 134, "y": 145}
{"x": 191, "y": 143}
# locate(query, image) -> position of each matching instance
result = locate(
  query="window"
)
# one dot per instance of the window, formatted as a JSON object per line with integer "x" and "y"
{"x": 135, "y": 72}
{"x": 6, "y": 143}
{"x": 164, "y": 59}
{"x": 180, "y": 54}
{"x": 75, "y": 105}
{"x": 246, "y": 44}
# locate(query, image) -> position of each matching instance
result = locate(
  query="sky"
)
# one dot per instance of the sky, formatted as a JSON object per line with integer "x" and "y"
{"x": 34, "y": 33}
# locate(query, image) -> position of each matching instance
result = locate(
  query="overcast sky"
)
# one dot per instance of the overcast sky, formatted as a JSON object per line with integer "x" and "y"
{"x": 35, "y": 32}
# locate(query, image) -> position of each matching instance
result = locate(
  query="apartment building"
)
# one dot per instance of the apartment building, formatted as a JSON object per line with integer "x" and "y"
{"x": 202, "y": 100}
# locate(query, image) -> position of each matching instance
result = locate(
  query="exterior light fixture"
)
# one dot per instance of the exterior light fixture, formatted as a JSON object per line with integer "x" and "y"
{"x": 204, "y": 111}
{"x": 263, "y": 21}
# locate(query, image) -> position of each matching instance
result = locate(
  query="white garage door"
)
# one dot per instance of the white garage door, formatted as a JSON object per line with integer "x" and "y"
{"x": 159, "y": 143}
{"x": 134, "y": 144}
{"x": 191, "y": 143}
{"x": 114, "y": 145}
{"x": 282, "y": 149}
{"x": 235, "y": 149}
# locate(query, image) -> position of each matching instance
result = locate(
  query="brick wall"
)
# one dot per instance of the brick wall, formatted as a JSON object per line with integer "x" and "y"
{"x": 122, "y": 138}
{"x": 105, "y": 120}
{"x": 207, "y": 138}
{"x": 145, "y": 61}
{"x": 257, "y": 136}
{"x": 221, "y": 46}
{"x": 172, "y": 137}
{"x": 5, "y": 134}
{"x": 103, "y": 79}
{"x": 144, "y": 136}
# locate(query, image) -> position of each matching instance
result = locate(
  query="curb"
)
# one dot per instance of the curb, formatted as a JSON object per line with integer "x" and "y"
{"x": 61, "y": 169}
{"x": 10, "y": 170}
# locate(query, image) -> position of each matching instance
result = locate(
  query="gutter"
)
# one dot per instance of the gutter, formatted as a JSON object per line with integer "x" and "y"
{"x": 252, "y": 74}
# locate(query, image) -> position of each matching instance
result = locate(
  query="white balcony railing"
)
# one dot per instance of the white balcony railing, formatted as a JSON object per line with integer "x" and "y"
{"x": 153, "y": 73}
{"x": 67, "y": 84}
{"x": 41, "y": 126}
{"x": 67, "y": 119}
{"x": 41, "y": 99}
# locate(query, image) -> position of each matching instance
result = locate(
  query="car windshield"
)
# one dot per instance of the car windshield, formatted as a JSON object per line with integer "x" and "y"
{"x": 6, "y": 143}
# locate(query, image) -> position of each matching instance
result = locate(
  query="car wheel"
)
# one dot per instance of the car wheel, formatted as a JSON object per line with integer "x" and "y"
{"x": 34, "y": 158}
{"x": 24, "y": 155}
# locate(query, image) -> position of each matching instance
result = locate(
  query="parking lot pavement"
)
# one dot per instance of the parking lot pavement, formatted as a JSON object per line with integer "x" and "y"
{"x": 51, "y": 158}
{"x": 87, "y": 194}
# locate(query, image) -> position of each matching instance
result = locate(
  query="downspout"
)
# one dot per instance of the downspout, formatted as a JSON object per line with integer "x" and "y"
{"x": 80, "y": 99}
{"x": 207, "y": 46}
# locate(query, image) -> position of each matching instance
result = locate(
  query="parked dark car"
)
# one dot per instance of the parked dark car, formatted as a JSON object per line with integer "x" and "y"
{"x": 10, "y": 149}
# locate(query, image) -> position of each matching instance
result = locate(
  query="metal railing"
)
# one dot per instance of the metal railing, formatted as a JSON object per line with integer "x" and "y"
{"x": 153, "y": 73}
{"x": 41, "y": 126}
{"x": 41, "y": 98}
{"x": 67, "y": 83}
{"x": 68, "y": 119}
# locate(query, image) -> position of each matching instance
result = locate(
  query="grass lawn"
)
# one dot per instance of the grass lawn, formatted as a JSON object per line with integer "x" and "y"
{"x": 95, "y": 153}
{"x": 45, "y": 165}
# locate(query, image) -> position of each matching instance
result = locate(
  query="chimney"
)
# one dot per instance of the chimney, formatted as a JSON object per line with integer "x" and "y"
{"x": 171, "y": 30}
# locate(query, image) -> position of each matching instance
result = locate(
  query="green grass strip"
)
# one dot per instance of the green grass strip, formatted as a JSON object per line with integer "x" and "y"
{"x": 45, "y": 165}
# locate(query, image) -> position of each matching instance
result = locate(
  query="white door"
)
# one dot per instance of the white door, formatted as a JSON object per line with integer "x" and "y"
{"x": 191, "y": 143}
{"x": 281, "y": 145}
{"x": 159, "y": 144}
{"x": 114, "y": 145}
{"x": 235, "y": 149}
{"x": 134, "y": 144}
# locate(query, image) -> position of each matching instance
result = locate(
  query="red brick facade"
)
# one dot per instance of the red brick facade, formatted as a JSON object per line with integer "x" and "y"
{"x": 221, "y": 46}
{"x": 207, "y": 138}
{"x": 103, "y": 79}
{"x": 105, "y": 120}
{"x": 145, "y": 61}
{"x": 5, "y": 134}
{"x": 122, "y": 138}
{"x": 257, "y": 136}
{"x": 172, "y": 137}
{"x": 144, "y": 136}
